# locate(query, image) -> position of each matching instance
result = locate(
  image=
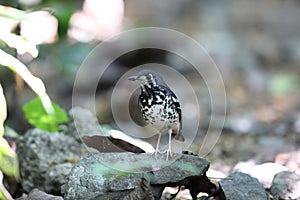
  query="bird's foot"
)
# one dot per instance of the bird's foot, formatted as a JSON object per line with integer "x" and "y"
{"x": 168, "y": 152}
{"x": 156, "y": 154}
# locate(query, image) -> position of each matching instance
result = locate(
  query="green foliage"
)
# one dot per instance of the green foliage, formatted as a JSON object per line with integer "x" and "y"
{"x": 12, "y": 13}
{"x": 36, "y": 115}
{"x": 3, "y": 111}
{"x": 71, "y": 55}
{"x": 8, "y": 159}
{"x": 4, "y": 194}
{"x": 63, "y": 11}
{"x": 40, "y": 112}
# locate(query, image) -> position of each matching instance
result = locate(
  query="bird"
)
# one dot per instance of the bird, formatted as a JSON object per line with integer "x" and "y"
{"x": 159, "y": 106}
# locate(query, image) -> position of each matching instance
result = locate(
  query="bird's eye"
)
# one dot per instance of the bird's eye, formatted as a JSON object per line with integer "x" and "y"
{"x": 150, "y": 77}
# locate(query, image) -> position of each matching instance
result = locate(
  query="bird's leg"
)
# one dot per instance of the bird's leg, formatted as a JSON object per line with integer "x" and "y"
{"x": 157, "y": 145}
{"x": 169, "y": 150}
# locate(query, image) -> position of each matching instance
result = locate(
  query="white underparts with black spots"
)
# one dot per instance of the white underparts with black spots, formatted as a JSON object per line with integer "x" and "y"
{"x": 160, "y": 115}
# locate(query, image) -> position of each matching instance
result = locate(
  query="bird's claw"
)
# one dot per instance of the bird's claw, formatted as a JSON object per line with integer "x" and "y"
{"x": 168, "y": 152}
{"x": 156, "y": 153}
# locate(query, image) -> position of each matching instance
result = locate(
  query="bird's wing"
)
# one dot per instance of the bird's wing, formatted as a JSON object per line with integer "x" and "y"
{"x": 134, "y": 111}
{"x": 141, "y": 121}
{"x": 178, "y": 135}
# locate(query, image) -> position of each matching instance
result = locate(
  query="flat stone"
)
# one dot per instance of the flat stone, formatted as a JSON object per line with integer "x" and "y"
{"x": 240, "y": 186}
{"x": 101, "y": 174}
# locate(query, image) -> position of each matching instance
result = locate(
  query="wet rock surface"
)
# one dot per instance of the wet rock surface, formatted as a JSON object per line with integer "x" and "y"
{"x": 105, "y": 174}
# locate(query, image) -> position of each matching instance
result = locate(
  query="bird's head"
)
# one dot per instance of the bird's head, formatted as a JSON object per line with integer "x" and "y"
{"x": 147, "y": 78}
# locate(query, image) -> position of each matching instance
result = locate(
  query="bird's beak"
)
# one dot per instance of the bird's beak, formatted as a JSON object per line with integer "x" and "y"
{"x": 132, "y": 78}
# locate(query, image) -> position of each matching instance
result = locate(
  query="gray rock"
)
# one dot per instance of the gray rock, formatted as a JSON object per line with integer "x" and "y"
{"x": 45, "y": 159}
{"x": 56, "y": 175}
{"x": 101, "y": 175}
{"x": 264, "y": 172}
{"x": 286, "y": 185}
{"x": 36, "y": 194}
{"x": 86, "y": 123}
{"x": 240, "y": 186}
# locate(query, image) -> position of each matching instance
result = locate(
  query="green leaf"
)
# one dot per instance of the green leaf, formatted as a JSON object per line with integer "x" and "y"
{"x": 2, "y": 111}
{"x": 4, "y": 194}
{"x": 37, "y": 116}
{"x": 12, "y": 13}
{"x": 62, "y": 10}
{"x": 8, "y": 159}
